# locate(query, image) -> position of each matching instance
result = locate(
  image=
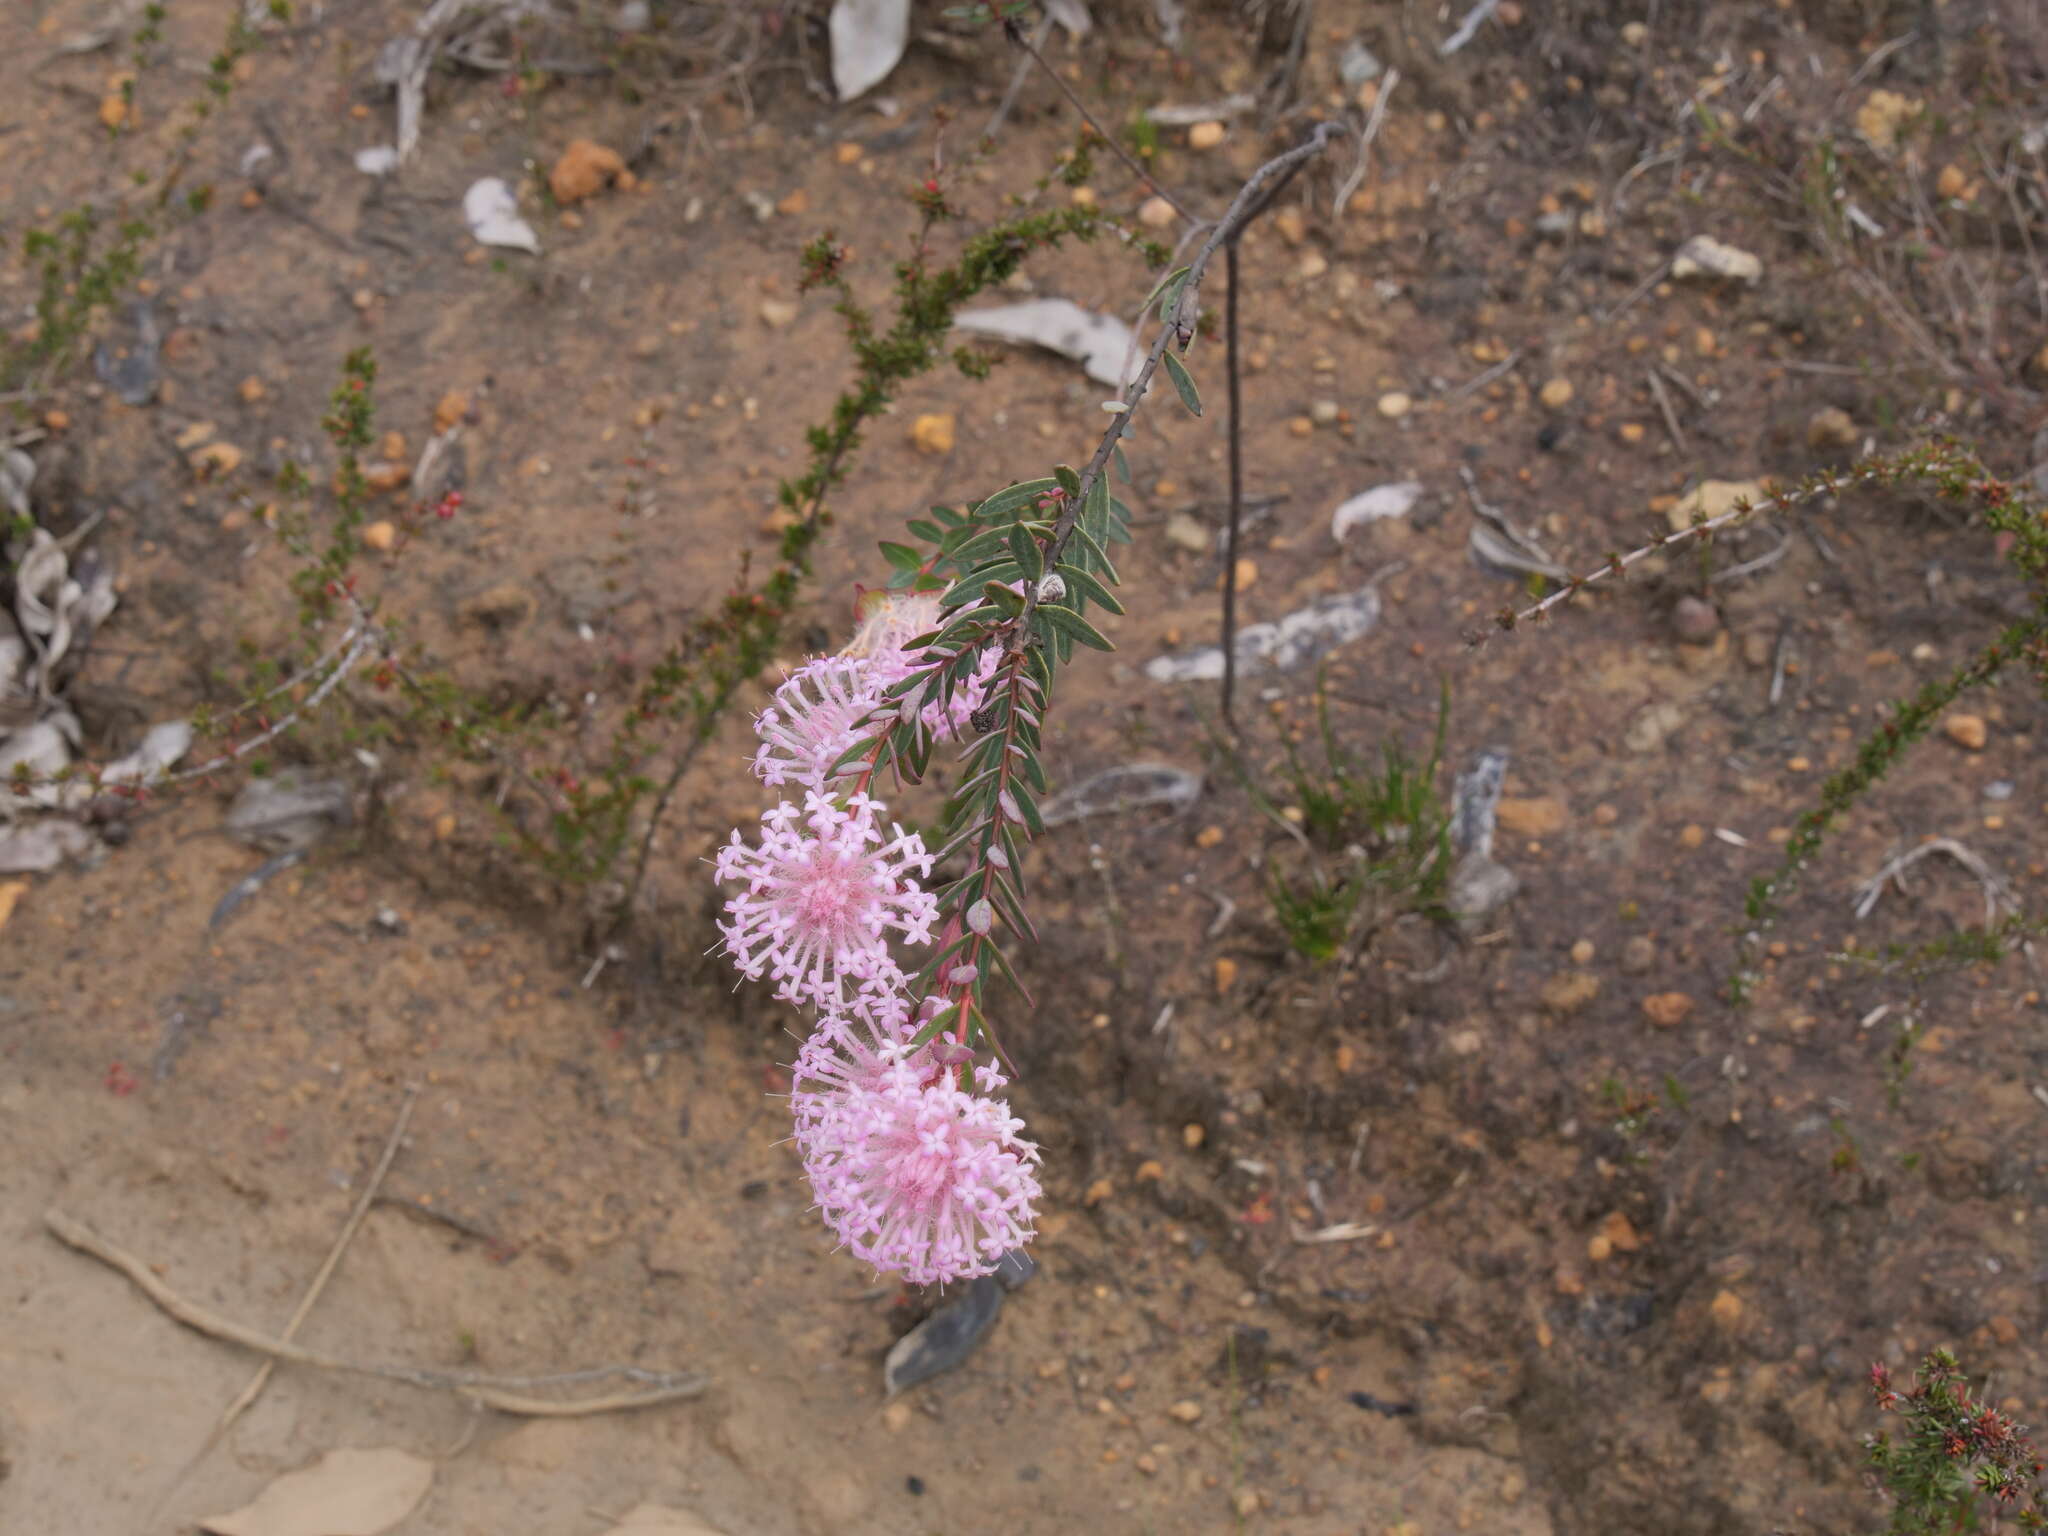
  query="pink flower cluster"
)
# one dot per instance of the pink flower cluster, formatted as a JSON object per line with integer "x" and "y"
{"x": 916, "y": 1164}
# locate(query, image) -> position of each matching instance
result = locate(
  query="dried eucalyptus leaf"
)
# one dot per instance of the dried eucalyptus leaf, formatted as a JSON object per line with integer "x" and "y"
{"x": 1102, "y": 344}
{"x": 945, "y": 1338}
{"x": 492, "y": 213}
{"x": 868, "y": 38}
{"x": 36, "y": 847}
{"x": 1282, "y": 645}
{"x": 1393, "y": 500}
{"x": 17, "y": 474}
{"x": 289, "y": 810}
{"x": 1503, "y": 551}
{"x": 347, "y": 1492}
{"x": 1127, "y": 787}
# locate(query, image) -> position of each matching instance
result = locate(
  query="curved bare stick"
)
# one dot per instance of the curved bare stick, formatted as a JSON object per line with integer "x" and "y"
{"x": 487, "y": 1390}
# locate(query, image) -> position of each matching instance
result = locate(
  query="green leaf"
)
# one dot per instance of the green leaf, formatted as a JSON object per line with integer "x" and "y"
{"x": 1183, "y": 382}
{"x": 1069, "y": 479}
{"x": 1123, "y": 465}
{"x": 931, "y": 533}
{"x": 1071, "y": 623}
{"x": 1168, "y": 293}
{"x": 1030, "y": 560}
{"x": 1081, "y": 584}
{"x": 1003, "y": 598}
{"x": 1006, "y": 502}
{"x": 902, "y": 556}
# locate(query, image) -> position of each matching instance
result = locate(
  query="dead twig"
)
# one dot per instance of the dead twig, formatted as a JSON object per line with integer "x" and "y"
{"x": 1997, "y": 894}
{"x": 1355, "y": 177}
{"x": 1016, "y": 36}
{"x": 507, "y": 1394}
{"x": 1469, "y": 27}
{"x": 254, "y": 1389}
{"x": 1663, "y": 398}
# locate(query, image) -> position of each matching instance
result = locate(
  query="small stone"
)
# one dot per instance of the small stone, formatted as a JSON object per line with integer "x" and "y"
{"x": 776, "y": 313}
{"x": 1205, "y": 135}
{"x": 57, "y": 421}
{"x": 1598, "y": 1248}
{"x": 1542, "y": 816}
{"x": 1696, "y": 620}
{"x": 1631, "y": 432}
{"x": 215, "y": 459}
{"x": 848, "y": 153}
{"x": 1312, "y": 266}
{"x": 1246, "y": 572}
{"x": 1556, "y": 394}
{"x": 1704, "y": 256}
{"x": 2004, "y": 1330}
{"x": 1513, "y": 1486}
{"x": 380, "y": 535}
{"x": 251, "y": 390}
{"x": 1150, "y": 1171}
{"x": 1226, "y": 973}
{"x": 1083, "y": 197}
{"x": 584, "y": 169}
{"x": 1208, "y": 837}
{"x": 450, "y": 409}
{"x": 1098, "y": 1192}
{"x": 386, "y": 477}
{"x": 391, "y": 445}
{"x": 1582, "y": 953}
{"x": 1156, "y": 213}
{"x": 1667, "y": 1010}
{"x": 1324, "y": 412}
{"x": 1726, "y": 1309}
{"x": 1831, "y": 427}
{"x": 1966, "y": 731}
{"x": 1292, "y": 224}
{"x": 1246, "y": 1502}
{"x": 1756, "y": 648}
{"x": 362, "y": 298}
{"x": 1187, "y": 1410}
{"x": 1693, "y": 835}
{"x": 1187, "y": 533}
{"x": 1638, "y": 955}
{"x": 1301, "y": 426}
{"x": 1395, "y": 404}
{"x": 1569, "y": 991}
{"x": 1192, "y": 1135}
{"x": 796, "y": 202}
{"x": 444, "y": 826}
{"x": 1951, "y": 182}
{"x": 1147, "y": 1463}
{"x": 1634, "y": 33}
{"x": 1620, "y": 1232}
{"x": 896, "y": 1417}
{"x": 933, "y": 433}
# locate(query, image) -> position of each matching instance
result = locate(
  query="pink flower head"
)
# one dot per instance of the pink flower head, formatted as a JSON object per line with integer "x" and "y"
{"x": 815, "y": 719}
{"x": 823, "y": 891}
{"x": 915, "y": 1174}
{"x": 899, "y": 617}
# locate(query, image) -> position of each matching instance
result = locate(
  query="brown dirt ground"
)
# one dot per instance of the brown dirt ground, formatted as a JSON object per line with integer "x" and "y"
{"x": 596, "y": 1173}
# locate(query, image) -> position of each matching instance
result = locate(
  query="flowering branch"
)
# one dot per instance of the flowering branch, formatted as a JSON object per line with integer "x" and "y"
{"x": 916, "y": 1165}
